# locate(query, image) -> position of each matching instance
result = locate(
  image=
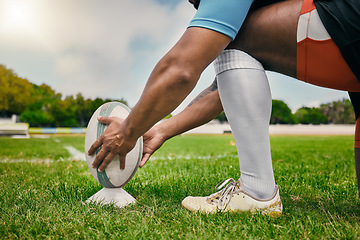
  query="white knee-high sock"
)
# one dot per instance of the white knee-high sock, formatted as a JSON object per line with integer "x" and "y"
{"x": 246, "y": 98}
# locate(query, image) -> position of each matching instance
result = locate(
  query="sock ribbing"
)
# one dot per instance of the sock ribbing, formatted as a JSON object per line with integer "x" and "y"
{"x": 235, "y": 59}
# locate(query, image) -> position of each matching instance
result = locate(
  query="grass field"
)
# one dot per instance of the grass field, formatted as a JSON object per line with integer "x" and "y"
{"x": 42, "y": 190}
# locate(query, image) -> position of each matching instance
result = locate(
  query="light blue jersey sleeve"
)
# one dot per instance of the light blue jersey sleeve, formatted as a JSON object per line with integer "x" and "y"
{"x": 224, "y": 16}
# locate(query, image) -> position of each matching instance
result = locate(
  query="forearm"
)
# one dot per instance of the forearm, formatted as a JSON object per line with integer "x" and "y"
{"x": 205, "y": 107}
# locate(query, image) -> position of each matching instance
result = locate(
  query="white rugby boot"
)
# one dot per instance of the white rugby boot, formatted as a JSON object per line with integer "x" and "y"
{"x": 233, "y": 198}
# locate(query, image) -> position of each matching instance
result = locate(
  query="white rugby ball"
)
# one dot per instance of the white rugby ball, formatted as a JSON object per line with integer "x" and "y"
{"x": 112, "y": 176}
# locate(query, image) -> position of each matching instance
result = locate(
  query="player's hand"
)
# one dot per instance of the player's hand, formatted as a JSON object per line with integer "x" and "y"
{"x": 113, "y": 142}
{"x": 153, "y": 140}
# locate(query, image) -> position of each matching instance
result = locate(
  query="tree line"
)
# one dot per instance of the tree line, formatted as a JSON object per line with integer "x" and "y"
{"x": 337, "y": 112}
{"x": 41, "y": 106}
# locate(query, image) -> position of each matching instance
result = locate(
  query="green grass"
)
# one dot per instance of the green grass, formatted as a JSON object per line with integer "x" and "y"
{"x": 42, "y": 191}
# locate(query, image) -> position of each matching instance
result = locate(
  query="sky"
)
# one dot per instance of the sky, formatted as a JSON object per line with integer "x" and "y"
{"x": 108, "y": 48}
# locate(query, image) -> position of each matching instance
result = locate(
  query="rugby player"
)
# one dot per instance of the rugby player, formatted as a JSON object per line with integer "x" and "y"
{"x": 317, "y": 42}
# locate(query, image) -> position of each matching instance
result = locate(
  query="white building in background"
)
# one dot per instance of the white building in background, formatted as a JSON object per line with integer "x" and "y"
{"x": 14, "y": 119}
{"x": 12, "y": 127}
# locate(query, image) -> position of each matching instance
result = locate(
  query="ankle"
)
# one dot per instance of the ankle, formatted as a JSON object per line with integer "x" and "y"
{"x": 260, "y": 189}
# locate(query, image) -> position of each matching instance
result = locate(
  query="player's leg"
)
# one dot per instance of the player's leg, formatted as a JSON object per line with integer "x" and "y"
{"x": 269, "y": 35}
{"x": 273, "y": 35}
{"x": 246, "y": 98}
{"x": 245, "y": 95}
{"x": 355, "y": 100}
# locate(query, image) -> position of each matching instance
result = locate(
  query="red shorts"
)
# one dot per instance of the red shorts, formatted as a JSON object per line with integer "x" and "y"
{"x": 319, "y": 60}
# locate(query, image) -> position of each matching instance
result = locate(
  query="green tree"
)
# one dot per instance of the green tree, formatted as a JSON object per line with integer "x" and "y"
{"x": 41, "y": 106}
{"x": 306, "y": 115}
{"x": 38, "y": 113}
{"x": 281, "y": 113}
{"x": 64, "y": 112}
{"x": 339, "y": 112}
{"x": 37, "y": 118}
{"x": 222, "y": 117}
{"x": 15, "y": 92}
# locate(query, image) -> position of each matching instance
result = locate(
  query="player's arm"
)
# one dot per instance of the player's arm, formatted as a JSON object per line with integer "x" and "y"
{"x": 205, "y": 107}
{"x": 174, "y": 78}
{"x": 171, "y": 81}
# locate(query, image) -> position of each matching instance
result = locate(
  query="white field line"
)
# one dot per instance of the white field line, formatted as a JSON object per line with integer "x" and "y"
{"x": 30, "y": 160}
{"x": 80, "y": 156}
{"x": 188, "y": 157}
{"x": 75, "y": 154}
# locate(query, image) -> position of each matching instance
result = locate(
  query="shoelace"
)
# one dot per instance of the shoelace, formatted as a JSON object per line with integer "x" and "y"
{"x": 226, "y": 193}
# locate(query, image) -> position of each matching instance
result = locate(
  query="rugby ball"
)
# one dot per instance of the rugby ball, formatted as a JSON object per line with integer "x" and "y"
{"x": 112, "y": 176}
